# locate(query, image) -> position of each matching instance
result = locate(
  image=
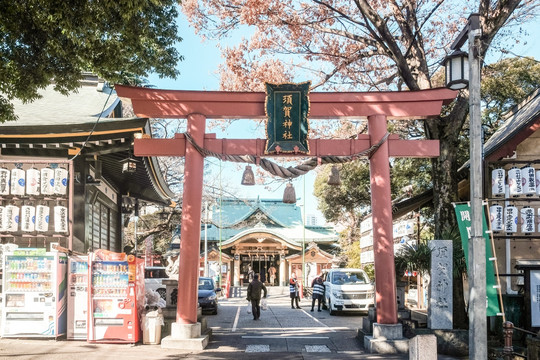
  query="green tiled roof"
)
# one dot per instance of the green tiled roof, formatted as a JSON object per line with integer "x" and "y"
{"x": 241, "y": 216}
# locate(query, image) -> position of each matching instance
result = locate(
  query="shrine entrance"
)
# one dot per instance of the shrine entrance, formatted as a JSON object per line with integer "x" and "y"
{"x": 195, "y": 144}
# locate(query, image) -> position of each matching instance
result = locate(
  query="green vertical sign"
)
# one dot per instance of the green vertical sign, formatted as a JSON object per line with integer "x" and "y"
{"x": 463, "y": 213}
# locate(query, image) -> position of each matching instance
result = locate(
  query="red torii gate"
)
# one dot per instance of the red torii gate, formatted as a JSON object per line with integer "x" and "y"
{"x": 197, "y": 106}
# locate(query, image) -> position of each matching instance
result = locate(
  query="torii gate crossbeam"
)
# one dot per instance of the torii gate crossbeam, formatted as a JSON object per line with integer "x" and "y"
{"x": 197, "y": 106}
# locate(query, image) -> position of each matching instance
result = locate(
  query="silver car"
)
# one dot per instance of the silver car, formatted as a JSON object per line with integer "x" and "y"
{"x": 348, "y": 290}
{"x": 153, "y": 277}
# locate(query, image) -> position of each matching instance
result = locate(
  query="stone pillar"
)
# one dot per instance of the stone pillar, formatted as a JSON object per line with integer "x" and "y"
{"x": 423, "y": 347}
{"x": 440, "y": 301}
{"x": 237, "y": 271}
{"x": 383, "y": 231}
{"x": 282, "y": 273}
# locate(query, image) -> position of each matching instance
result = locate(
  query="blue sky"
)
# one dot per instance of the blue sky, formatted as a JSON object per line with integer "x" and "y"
{"x": 199, "y": 72}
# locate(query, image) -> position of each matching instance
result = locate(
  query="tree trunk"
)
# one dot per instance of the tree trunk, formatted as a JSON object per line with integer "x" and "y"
{"x": 445, "y": 189}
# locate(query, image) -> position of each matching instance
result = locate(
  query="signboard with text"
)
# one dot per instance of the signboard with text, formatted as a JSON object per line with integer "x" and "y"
{"x": 287, "y": 111}
{"x": 463, "y": 213}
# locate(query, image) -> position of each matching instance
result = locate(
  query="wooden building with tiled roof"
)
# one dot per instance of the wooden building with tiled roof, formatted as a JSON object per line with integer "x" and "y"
{"x": 86, "y": 134}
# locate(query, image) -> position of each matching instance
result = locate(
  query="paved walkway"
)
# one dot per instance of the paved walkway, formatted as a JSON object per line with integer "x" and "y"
{"x": 282, "y": 333}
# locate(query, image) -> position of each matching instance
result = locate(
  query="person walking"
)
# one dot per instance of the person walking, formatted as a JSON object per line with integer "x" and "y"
{"x": 254, "y": 296}
{"x": 318, "y": 292}
{"x": 293, "y": 288}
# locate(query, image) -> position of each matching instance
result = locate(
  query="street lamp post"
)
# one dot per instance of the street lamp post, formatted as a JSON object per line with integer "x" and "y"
{"x": 455, "y": 64}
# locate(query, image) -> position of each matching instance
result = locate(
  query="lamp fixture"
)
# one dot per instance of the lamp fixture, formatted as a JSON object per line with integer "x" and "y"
{"x": 334, "y": 179}
{"x": 289, "y": 195}
{"x": 129, "y": 164}
{"x": 248, "y": 178}
{"x": 457, "y": 70}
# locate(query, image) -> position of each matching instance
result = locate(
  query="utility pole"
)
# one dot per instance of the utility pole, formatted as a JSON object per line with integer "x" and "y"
{"x": 477, "y": 245}
{"x": 458, "y": 66}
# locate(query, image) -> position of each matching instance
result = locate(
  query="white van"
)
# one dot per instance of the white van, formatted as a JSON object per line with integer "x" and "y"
{"x": 348, "y": 290}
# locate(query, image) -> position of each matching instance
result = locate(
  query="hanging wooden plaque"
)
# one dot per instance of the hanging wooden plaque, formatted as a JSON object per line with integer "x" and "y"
{"x": 287, "y": 111}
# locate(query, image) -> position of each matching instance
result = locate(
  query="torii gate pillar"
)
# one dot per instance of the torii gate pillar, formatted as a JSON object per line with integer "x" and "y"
{"x": 381, "y": 211}
{"x": 186, "y": 311}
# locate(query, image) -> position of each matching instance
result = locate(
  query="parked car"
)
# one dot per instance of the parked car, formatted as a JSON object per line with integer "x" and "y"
{"x": 348, "y": 290}
{"x": 208, "y": 299}
{"x": 153, "y": 279}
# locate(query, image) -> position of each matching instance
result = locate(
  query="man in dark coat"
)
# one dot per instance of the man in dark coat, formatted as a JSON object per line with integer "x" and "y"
{"x": 254, "y": 295}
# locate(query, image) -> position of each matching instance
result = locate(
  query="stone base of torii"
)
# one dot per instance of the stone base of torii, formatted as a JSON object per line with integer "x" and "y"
{"x": 197, "y": 106}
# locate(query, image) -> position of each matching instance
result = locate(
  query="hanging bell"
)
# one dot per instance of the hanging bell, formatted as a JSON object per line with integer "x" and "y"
{"x": 248, "y": 178}
{"x": 334, "y": 179}
{"x": 289, "y": 195}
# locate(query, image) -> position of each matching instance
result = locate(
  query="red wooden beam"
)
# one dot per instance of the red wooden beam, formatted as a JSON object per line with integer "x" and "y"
{"x": 159, "y": 103}
{"x": 318, "y": 147}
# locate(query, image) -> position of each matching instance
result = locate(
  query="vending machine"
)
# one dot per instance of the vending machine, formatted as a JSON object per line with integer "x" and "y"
{"x": 34, "y": 285}
{"x": 77, "y": 317}
{"x": 116, "y": 297}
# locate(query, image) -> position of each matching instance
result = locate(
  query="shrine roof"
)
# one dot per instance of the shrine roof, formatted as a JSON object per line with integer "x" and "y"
{"x": 242, "y": 216}
{"x": 520, "y": 123}
{"x": 54, "y": 108}
{"x": 58, "y": 125}
{"x": 238, "y": 210}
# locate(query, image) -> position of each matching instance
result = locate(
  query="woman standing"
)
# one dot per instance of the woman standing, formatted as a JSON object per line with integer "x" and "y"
{"x": 293, "y": 288}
